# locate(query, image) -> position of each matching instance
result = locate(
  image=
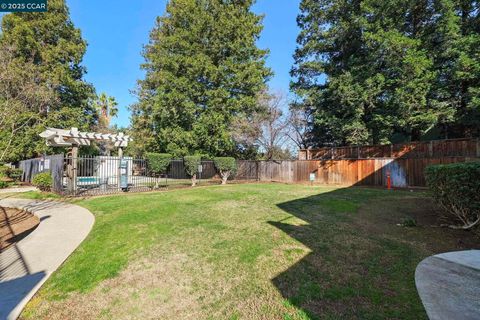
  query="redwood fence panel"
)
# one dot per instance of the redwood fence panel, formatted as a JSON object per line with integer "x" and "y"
{"x": 468, "y": 147}
{"x": 373, "y": 172}
{"x": 404, "y": 172}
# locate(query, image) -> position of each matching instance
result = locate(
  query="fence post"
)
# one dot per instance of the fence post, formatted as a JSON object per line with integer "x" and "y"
{"x": 430, "y": 149}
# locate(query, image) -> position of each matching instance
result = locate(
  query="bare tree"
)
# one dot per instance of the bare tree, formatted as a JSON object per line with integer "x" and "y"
{"x": 268, "y": 128}
{"x": 299, "y": 120}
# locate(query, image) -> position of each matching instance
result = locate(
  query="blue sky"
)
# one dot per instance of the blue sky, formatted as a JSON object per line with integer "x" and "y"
{"x": 116, "y": 32}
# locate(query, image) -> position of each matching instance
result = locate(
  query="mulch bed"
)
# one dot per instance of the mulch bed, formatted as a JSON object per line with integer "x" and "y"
{"x": 15, "y": 225}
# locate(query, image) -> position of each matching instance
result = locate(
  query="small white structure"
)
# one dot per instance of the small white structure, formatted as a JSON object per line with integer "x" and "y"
{"x": 108, "y": 167}
{"x": 73, "y": 138}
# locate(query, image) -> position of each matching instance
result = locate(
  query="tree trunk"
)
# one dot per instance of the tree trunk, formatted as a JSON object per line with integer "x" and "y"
{"x": 194, "y": 180}
{"x": 225, "y": 176}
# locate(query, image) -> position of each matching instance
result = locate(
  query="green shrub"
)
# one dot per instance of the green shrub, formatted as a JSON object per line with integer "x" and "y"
{"x": 3, "y": 184}
{"x": 227, "y": 166}
{"x": 43, "y": 181}
{"x": 5, "y": 172}
{"x": 456, "y": 188}
{"x": 191, "y": 164}
{"x": 158, "y": 163}
{"x": 10, "y": 173}
{"x": 16, "y": 174}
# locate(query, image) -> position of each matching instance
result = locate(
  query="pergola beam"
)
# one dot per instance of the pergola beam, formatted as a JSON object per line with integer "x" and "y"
{"x": 66, "y": 138}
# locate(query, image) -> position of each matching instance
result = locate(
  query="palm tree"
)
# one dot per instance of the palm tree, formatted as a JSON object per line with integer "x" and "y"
{"x": 106, "y": 107}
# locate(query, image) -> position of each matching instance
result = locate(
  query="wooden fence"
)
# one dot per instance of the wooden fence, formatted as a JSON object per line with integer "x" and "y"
{"x": 424, "y": 149}
{"x": 404, "y": 172}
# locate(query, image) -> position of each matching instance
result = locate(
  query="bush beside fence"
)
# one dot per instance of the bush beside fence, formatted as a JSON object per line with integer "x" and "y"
{"x": 456, "y": 188}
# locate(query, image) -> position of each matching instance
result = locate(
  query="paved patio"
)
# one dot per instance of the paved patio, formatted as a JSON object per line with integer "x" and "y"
{"x": 449, "y": 285}
{"x": 25, "y": 266}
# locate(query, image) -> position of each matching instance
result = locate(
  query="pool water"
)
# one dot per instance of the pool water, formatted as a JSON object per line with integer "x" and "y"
{"x": 88, "y": 180}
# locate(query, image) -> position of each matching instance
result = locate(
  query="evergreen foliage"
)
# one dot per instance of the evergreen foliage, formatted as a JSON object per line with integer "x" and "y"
{"x": 191, "y": 164}
{"x": 158, "y": 163}
{"x": 203, "y": 71}
{"x": 372, "y": 71}
{"x": 226, "y": 166}
{"x": 41, "y": 80}
{"x": 456, "y": 188}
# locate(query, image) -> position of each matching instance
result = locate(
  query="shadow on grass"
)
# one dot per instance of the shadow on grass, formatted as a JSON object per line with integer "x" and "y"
{"x": 350, "y": 271}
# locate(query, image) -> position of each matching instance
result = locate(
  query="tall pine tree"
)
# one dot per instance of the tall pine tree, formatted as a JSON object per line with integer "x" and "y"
{"x": 203, "y": 70}
{"x": 50, "y": 48}
{"x": 379, "y": 71}
{"x": 454, "y": 43}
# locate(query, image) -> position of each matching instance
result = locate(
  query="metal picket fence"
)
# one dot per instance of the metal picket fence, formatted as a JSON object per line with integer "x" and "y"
{"x": 105, "y": 175}
{"x": 98, "y": 175}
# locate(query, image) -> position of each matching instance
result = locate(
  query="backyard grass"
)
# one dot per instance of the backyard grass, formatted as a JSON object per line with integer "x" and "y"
{"x": 249, "y": 251}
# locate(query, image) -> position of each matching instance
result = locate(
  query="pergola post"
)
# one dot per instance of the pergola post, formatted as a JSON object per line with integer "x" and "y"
{"x": 74, "y": 167}
{"x": 119, "y": 169}
{"x": 72, "y": 170}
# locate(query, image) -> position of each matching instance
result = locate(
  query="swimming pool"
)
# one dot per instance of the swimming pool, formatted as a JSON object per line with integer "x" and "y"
{"x": 88, "y": 180}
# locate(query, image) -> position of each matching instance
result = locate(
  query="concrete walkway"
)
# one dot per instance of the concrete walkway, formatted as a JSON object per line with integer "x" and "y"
{"x": 449, "y": 285}
{"x": 25, "y": 266}
{"x": 18, "y": 190}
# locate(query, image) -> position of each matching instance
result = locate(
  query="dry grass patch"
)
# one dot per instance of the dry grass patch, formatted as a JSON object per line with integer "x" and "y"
{"x": 154, "y": 288}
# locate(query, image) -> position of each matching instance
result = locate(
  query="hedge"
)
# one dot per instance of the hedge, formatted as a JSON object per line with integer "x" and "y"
{"x": 158, "y": 163}
{"x": 191, "y": 164}
{"x": 456, "y": 188}
{"x": 226, "y": 166}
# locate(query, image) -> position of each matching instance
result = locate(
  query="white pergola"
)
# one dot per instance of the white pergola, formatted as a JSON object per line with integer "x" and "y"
{"x": 71, "y": 138}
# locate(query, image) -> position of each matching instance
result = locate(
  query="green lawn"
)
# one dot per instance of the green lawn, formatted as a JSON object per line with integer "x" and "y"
{"x": 248, "y": 251}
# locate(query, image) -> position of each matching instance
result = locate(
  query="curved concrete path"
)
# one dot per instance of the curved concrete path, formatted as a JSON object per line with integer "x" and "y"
{"x": 17, "y": 190}
{"x": 449, "y": 285}
{"x": 25, "y": 266}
